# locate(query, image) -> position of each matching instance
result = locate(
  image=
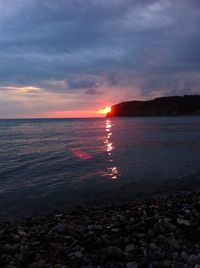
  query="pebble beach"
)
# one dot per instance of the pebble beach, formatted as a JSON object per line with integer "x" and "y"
{"x": 159, "y": 231}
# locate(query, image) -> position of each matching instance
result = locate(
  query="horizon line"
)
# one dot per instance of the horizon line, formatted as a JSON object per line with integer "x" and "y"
{"x": 36, "y": 118}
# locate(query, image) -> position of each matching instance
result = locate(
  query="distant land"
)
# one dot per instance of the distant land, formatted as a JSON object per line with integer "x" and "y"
{"x": 163, "y": 106}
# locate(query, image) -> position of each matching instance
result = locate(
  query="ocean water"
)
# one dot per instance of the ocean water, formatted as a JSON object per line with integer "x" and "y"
{"x": 52, "y": 164}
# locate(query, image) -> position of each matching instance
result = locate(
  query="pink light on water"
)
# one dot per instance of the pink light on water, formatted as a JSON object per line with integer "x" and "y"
{"x": 81, "y": 155}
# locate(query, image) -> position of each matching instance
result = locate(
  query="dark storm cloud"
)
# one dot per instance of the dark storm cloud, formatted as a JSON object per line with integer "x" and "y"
{"x": 83, "y": 83}
{"x": 57, "y": 45}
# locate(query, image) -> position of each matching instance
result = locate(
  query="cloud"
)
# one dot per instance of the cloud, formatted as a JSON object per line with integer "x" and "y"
{"x": 91, "y": 48}
{"x": 22, "y": 90}
{"x": 93, "y": 91}
{"x": 83, "y": 83}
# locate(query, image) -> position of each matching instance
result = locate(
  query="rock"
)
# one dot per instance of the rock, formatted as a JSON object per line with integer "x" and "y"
{"x": 35, "y": 243}
{"x": 153, "y": 246}
{"x": 166, "y": 263}
{"x": 179, "y": 265}
{"x": 145, "y": 253}
{"x": 115, "y": 230}
{"x": 90, "y": 227}
{"x": 131, "y": 265}
{"x": 15, "y": 237}
{"x": 129, "y": 248}
{"x": 95, "y": 238}
{"x": 98, "y": 227}
{"x": 175, "y": 255}
{"x": 22, "y": 233}
{"x": 40, "y": 263}
{"x": 184, "y": 256}
{"x": 78, "y": 254}
{"x": 60, "y": 228}
{"x": 187, "y": 211}
{"x": 173, "y": 243}
{"x": 150, "y": 233}
{"x": 166, "y": 224}
{"x": 194, "y": 259}
{"x": 7, "y": 248}
{"x": 141, "y": 235}
{"x": 58, "y": 215}
{"x": 113, "y": 252}
{"x": 150, "y": 265}
{"x": 183, "y": 222}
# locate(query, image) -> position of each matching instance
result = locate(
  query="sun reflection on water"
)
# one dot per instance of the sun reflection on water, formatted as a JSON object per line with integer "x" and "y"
{"x": 112, "y": 170}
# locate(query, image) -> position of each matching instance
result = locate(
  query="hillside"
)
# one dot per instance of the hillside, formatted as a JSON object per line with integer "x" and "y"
{"x": 164, "y": 106}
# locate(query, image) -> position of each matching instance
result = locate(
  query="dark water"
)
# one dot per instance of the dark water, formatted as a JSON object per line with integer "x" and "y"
{"x": 53, "y": 164}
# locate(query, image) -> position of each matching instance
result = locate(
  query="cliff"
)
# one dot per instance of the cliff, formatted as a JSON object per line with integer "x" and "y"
{"x": 164, "y": 106}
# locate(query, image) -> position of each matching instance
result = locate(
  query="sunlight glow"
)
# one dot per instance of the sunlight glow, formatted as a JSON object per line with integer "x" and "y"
{"x": 108, "y": 109}
{"x": 105, "y": 110}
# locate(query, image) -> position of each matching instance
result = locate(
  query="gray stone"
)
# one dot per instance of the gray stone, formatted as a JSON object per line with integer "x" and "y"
{"x": 58, "y": 215}
{"x": 78, "y": 254}
{"x": 114, "y": 251}
{"x": 184, "y": 255}
{"x": 98, "y": 227}
{"x": 129, "y": 248}
{"x": 90, "y": 227}
{"x": 153, "y": 246}
{"x": 166, "y": 224}
{"x": 40, "y": 263}
{"x": 22, "y": 233}
{"x": 7, "y": 248}
{"x": 194, "y": 259}
{"x": 175, "y": 255}
{"x": 183, "y": 222}
{"x": 173, "y": 243}
{"x": 179, "y": 265}
{"x": 115, "y": 230}
{"x": 150, "y": 266}
{"x": 132, "y": 265}
{"x": 187, "y": 211}
{"x": 60, "y": 228}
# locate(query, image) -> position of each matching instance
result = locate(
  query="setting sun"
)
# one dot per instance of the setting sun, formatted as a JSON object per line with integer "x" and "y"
{"x": 105, "y": 110}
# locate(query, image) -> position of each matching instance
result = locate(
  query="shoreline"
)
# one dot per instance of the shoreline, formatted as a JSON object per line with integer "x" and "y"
{"x": 136, "y": 190}
{"x": 158, "y": 231}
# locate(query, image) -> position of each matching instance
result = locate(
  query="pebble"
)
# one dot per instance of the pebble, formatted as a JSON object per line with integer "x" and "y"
{"x": 132, "y": 265}
{"x": 115, "y": 230}
{"x": 183, "y": 222}
{"x": 184, "y": 255}
{"x": 114, "y": 252}
{"x": 161, "y": 231}
{"x": 78, "y": 254}
{"x": 40, "y": 263}
{"x": 60, "y": 228}
{"x": 129, "y": 248}
{"x": 153, "y": 246}
{"x": 173, "y": 243}
{"x": 7, "y": 248}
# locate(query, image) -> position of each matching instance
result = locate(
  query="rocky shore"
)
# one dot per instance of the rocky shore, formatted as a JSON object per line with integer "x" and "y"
{"x": 161, "y": 231}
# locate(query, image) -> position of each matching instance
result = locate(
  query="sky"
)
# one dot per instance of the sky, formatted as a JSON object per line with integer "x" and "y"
{"x": 70, "y": 58}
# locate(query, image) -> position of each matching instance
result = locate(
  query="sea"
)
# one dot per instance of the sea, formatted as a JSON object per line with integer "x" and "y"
{"x": 49, "y": 165}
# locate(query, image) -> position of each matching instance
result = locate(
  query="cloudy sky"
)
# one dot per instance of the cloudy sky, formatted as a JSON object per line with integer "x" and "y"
{"x": 68, "y": 58}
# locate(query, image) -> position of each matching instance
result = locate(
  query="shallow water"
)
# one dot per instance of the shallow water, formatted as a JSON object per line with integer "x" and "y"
{"x": 56, "y": 163}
